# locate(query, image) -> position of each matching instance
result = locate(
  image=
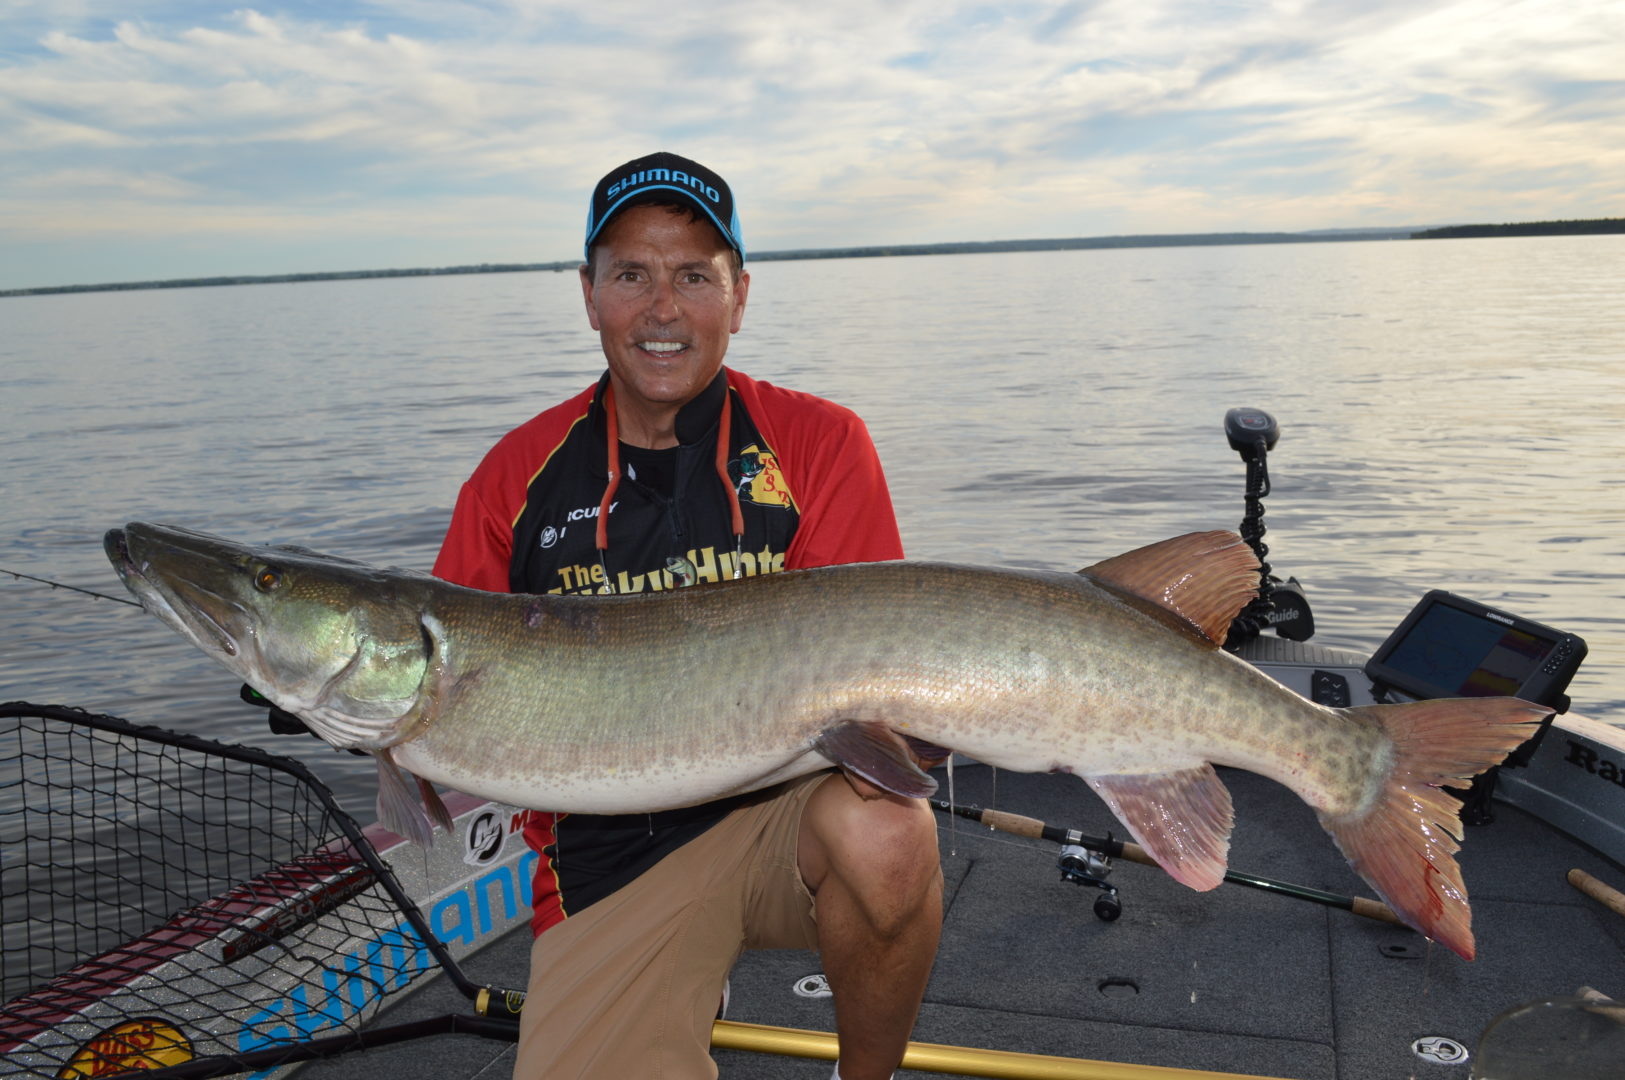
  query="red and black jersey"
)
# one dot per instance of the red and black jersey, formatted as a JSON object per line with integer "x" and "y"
{"x": 811, "y": 493}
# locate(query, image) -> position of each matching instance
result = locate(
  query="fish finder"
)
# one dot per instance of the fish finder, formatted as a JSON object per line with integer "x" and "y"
{"x": 1449, "y": 646}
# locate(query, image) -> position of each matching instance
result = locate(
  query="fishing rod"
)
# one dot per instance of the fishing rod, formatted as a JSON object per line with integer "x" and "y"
{"x": 71, "y": 588}
{"x": 1085, "y": 861}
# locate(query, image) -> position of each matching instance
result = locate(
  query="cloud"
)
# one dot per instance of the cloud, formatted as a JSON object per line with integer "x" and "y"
{"x": 145, "y": 186}
{"x": 839, "y": 123}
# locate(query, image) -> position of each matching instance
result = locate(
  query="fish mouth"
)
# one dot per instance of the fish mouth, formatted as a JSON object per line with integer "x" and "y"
{"x": 188, "y": 606}
{"x": 116, "y": 543}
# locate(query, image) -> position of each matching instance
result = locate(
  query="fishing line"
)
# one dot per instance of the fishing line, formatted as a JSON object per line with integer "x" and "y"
{"x": 71, "y": 588}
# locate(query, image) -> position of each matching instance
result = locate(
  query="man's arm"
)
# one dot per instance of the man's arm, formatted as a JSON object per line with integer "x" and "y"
{"x": 478, "y": 546}
{"x": 846, "y": 509}
{"x": 848, "y": 514}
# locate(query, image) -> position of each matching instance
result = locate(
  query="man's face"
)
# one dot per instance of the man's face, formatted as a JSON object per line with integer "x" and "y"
{"x": 664, "y": 301}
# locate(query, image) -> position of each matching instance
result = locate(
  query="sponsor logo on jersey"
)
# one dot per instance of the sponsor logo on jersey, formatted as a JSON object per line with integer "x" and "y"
{"x": 587, "y": 513}
{"x": 761, "y": 481}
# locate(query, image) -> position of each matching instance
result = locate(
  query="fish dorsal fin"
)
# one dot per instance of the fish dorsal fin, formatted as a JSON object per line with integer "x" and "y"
{"x": 1204, "y": 579}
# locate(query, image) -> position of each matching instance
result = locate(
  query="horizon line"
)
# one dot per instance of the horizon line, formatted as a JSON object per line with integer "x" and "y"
{"x": 966, "y": 247}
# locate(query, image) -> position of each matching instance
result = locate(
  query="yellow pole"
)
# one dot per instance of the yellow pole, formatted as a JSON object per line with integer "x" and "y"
{"x": 958, "y": 1060}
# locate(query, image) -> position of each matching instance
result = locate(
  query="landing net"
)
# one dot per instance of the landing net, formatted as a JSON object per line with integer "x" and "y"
{"x": 168, "y": 899}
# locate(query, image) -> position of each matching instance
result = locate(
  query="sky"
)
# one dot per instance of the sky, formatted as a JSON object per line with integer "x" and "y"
{"x": 153, "y": 139}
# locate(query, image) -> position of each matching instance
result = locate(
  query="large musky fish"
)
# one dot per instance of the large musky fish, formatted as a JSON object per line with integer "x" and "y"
{"x": 624, "y": 704}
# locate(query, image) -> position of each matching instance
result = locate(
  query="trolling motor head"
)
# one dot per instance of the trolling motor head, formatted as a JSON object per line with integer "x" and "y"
{"x": 1253, "y": 433}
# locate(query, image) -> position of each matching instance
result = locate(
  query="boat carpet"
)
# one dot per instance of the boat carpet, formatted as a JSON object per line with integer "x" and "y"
{"x": 1235, "y": 980}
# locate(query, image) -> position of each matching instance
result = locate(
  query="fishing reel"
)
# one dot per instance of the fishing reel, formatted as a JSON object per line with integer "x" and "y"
{"x": 1082, "y": 866}
{"x": 1280, "y": 605}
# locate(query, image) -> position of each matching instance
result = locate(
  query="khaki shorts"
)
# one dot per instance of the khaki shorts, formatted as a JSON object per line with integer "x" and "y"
{"x": 628, "y": 988}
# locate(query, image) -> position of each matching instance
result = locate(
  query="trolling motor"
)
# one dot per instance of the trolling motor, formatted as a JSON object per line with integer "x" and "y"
{"x": 1280, "y": 605}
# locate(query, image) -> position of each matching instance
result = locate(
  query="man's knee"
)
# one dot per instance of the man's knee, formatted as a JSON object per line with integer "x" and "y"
{"x": 899, "y": 838}
{"x": 883, "y": 852}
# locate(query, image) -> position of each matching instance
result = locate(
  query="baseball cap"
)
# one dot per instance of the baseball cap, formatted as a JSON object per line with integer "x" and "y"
{"x": 669, "y": 175}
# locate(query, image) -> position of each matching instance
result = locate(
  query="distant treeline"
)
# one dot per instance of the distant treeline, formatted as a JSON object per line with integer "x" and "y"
{"x": 969, "y": 247}
{"x": 273, "y": 279}
{"x": 1527, "y": 228}
{"x": 1322, "y": 236}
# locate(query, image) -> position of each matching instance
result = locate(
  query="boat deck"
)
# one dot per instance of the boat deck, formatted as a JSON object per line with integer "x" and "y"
{"x": 1235, "y": 980}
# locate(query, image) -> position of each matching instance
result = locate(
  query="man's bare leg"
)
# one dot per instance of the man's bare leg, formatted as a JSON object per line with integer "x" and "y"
{"x": 870, "y": 861}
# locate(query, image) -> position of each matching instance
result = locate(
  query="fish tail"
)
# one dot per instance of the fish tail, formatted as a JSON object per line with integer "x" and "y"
{"x": 1403, "y": 839}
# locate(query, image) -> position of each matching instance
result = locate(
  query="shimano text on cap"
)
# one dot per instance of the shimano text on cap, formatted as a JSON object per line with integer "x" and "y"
{"x": 673, "y": 177}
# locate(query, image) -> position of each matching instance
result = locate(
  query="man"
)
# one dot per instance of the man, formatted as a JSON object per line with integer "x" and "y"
{"x": 671, "y": 470}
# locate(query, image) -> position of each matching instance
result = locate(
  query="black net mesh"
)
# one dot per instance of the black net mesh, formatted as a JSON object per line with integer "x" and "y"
{"x": 165, "y": 898}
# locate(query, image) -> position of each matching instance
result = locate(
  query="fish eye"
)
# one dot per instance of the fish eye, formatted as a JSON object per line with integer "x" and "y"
{"x": 267, "y": 579}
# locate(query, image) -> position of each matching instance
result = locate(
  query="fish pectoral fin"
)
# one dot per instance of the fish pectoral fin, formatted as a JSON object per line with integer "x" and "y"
{"x": 431, "y": 802}
{"x": 1182, "y": 819}
{"x": 876, "y": 753}
{"x": 930, "y": 753}
{"x": 399, "y": 807}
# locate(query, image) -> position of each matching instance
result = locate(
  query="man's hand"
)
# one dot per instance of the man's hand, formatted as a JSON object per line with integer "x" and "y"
{"x": 281, "y": 721}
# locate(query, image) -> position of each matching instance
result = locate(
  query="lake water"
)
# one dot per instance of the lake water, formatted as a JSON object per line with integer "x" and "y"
{"x": 1451, "y": 415}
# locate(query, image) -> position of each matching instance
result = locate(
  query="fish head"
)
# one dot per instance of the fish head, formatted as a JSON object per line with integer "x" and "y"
{"x": 342, "y": 645}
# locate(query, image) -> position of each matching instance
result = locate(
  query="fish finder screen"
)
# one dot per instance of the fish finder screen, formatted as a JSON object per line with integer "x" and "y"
{"x": 1464, "y": 655}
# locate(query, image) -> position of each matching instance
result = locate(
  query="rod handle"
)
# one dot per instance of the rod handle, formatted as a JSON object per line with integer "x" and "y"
{"x": 1017, "y": 824}
{"x": 1606, "y": 895}
{"x": 1374, "y": 909}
